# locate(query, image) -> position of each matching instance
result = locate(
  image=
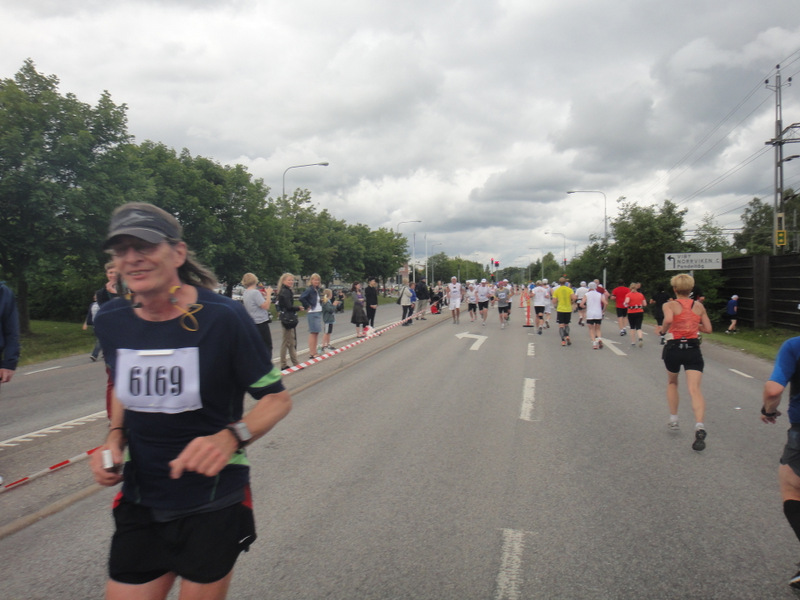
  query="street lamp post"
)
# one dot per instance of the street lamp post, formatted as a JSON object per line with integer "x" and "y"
{"x": 319, "y": 164}
{"x": 398, "y": 231}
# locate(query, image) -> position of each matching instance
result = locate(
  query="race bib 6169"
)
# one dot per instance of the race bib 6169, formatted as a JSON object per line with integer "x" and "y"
{"x": 158, "y": 381}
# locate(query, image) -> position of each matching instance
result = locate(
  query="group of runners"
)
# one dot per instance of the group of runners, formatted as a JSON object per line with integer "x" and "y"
{"x": 179, "y": 449}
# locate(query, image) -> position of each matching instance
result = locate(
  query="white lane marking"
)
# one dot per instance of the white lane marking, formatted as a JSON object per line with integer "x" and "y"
{"x": 529, "y": 402}
{"x": 42, "y": 370}
{"x": 612, "y": 345}
{"x": 479, "y": 339}
{"x": 29, "y": 437}
{"x": 740, "y": 373}
{"x": 509, "y": 579}
{"x": 531, "y": 349}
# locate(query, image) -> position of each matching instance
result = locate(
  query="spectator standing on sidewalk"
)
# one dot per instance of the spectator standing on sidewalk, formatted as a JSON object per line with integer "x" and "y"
{"x": 328, "y": 319}
{"x": 731, "y": 311}
{"x": 406, "y": 303}
{"x": 359, "y": 315}
{"x": 311, "y": 301}
{"x": 286, "y": 305}
{"x": 9, "y": 336}
{"x": 371, "y": 298}
{"x": 257, "y": 302}
{"x": 423, "y": 293}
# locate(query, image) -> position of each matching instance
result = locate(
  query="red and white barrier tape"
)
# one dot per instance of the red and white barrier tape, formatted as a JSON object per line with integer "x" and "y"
{"x": 51, "y": 469}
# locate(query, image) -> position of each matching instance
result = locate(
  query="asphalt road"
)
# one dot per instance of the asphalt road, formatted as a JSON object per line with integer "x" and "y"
{"x": 444, "y": 461}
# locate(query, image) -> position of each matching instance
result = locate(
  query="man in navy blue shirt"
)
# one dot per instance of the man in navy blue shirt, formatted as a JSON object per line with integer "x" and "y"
{"x": 786, "y": 372}
{"x": 9, "y": 336}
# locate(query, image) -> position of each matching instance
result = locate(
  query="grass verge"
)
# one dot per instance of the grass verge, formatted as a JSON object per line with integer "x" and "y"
{"x": 54, "y": 339}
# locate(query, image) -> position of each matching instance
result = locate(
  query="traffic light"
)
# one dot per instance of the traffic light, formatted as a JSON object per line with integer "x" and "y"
{"x": 780, "y": 237}
{"x": 496, "y": 263}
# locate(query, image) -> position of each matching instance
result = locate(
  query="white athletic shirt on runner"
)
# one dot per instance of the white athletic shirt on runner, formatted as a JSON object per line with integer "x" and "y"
{"x": 594, "y": 304}
{"x": 454, "y": 291}
{"x": 540, "y": 295}
{"x": 483, "y": 292}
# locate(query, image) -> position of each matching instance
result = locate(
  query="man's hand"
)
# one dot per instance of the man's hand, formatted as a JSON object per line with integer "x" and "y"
{"x": 6, "y": 375}
{"x": 206, "y": 455}
{"x": 115, "y": 443}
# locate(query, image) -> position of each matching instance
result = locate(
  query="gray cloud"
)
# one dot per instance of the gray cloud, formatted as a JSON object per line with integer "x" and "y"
{"x": 473, "y": 116}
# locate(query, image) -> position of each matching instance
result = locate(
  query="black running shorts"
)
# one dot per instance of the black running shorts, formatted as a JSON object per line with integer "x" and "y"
{"x": 791, "y": 451}
{"x": 563, "y": 318}
{"x": 691, "y": 359}
{"x": 200, "y": 547}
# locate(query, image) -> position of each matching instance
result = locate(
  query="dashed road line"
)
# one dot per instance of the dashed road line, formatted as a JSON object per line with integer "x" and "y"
{"x": 529, "y": 411}
{"x": 29, "y": 437}
{"x": 509, "y": 579}
{"x": 740, "y": 373}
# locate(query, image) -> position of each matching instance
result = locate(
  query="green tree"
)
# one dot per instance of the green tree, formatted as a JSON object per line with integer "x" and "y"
{"x": 56, "y": 157}
{"x": 643, "y": 235}
{"x": 385, "y": 253}
{"x": 223, "y": 210}
{"x": 709, "y": 237}
{"x": 757, "y": 226}
{"x": 589, "y": 265}
{"x": 309, "y": 233}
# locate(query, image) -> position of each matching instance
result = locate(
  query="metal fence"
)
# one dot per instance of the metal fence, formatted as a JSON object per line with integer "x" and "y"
{"x": 768, "y": 288}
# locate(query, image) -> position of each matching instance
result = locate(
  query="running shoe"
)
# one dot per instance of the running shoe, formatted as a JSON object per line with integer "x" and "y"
{"x": 674, "y": 426}
{"x": 502, "y": 326}
{"x": 699, "y": 440}
{"x": 540, "y": 331}
{"x": 599, "y": 343}
{"x": 563, "y": 342}
{"x": 569, "y": 342}
{"x": 594, "y": 345}
{"x": 641, "y": 343}
{"x": 794, "y": 582}
{"x": 547, "y": 324}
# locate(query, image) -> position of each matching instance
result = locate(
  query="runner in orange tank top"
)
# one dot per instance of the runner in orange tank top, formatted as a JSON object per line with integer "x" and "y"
{"x": 684, "y": 319}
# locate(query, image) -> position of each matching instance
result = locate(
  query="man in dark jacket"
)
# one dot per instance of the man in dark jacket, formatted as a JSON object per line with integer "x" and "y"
{"x": 9, "y": 336}
{"x": 371, "y": 300}
{"x": 423, "y": 296}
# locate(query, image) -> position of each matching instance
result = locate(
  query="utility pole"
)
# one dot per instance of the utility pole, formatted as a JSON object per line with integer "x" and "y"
{"x": 778, "y": 225}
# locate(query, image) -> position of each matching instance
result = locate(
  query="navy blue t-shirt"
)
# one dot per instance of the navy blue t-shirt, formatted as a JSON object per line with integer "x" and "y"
{"x": 178, "y": 384}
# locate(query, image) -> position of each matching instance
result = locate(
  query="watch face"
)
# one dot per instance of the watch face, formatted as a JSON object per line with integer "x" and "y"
{"x": 241, "y": 431}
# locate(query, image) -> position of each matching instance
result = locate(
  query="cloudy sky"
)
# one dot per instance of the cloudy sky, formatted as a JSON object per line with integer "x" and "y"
{"x": 472, "y": 116}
